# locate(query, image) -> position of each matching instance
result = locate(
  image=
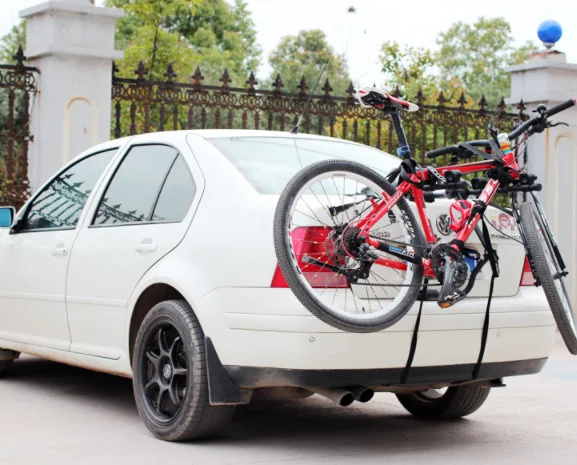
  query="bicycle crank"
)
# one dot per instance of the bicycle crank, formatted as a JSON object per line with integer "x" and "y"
{"x": 451, "y": 270}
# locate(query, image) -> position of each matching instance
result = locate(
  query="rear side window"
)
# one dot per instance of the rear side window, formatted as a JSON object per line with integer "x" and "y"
{"x": 176, "y": 195}
{"x": 268, "y": 163}
{"x": 152, "y": 184}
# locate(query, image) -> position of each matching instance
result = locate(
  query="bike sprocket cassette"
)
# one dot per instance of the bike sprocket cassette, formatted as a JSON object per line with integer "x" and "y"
{"x": 439, "y": 256}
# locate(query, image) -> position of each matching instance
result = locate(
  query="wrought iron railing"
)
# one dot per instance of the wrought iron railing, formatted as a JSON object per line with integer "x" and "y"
{"x": 17, "y": 87}
{"x": 141, "y": 105}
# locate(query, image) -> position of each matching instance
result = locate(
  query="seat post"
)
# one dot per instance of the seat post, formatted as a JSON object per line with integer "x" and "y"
{"x": 404, "y": 150}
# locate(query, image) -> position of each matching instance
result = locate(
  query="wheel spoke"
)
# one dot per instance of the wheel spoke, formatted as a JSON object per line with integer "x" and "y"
{"x": 173, "y": 393}
{"x": 180, "y": 371}
{"x": 172, "y": 349}
{"x": 153, "y": 382}
{"x": 154, "y": 359}
{"x": 161, "y": 400}
{"x": 162, "y": 344}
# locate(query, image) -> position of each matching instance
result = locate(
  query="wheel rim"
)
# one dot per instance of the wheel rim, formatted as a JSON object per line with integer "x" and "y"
{"x": 314, "y": 206}
{"x": 555, "y": 270}
{"x": 164, "y": 369}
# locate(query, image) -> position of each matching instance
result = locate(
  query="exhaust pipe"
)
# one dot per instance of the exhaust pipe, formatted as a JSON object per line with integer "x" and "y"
{"x": 340, "y": 397}
{"x": 362, "y": 394}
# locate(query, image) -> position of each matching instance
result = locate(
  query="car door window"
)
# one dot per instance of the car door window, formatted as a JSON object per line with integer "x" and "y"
{"x": 60, "y": 204}
{"x": 176, "y": 195}
{"x": 136, "y": 185}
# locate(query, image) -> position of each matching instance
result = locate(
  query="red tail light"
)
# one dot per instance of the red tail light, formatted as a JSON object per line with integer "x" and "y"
{"x": 527, "y": 278}
{"x": 311, "y": 242}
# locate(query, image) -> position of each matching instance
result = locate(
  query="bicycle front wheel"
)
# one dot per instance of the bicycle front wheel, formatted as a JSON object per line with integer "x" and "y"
{"x": 333, "y": 273}
{"x": 549, "y": 273}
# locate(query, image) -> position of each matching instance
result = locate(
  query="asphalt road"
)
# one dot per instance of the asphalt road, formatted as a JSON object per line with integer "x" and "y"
{"x": 55, "y": 414}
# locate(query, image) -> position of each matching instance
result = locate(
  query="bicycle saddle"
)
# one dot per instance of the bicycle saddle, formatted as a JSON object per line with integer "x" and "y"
{"x": 382, "y": 100}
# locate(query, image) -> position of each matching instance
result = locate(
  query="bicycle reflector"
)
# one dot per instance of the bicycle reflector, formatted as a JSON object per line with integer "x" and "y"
{"x": 527, "y": 278}
{"x": 311, "y": 242}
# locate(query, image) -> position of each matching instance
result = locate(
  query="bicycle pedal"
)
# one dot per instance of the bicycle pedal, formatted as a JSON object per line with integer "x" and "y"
{"x": 451, "y": 299}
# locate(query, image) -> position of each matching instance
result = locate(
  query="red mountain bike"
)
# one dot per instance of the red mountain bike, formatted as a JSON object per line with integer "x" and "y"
{"x": 353, "y": 253}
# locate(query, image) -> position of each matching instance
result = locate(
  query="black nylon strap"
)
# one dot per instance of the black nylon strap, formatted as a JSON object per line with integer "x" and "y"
{"x": 413, "y": 349}
{"x": 492, "y": 256}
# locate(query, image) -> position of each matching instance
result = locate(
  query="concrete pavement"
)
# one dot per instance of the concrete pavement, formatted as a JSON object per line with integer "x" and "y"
{"x": 55, "y": 414}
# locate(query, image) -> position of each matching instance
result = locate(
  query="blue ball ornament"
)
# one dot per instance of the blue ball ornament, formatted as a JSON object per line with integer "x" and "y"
{"x": 549, "y": 32}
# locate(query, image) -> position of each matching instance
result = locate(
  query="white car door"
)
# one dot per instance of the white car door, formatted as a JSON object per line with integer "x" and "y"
{"x": 34, "y": 256}
{"x": 142, "y": 215}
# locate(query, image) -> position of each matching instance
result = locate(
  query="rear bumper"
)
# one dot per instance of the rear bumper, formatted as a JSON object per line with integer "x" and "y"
{"x": 257, "y": 377}
{"x": 264, "y": 328}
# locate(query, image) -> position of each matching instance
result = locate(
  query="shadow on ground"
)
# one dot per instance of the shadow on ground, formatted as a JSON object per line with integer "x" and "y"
{"x": 311, "y": 426}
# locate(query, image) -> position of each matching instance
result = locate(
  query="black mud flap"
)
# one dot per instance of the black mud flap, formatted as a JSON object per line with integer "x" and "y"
{"x": 222, "y": 390}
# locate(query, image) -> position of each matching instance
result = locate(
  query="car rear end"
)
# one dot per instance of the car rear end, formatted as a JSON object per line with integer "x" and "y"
{"x": 263, "y": 335}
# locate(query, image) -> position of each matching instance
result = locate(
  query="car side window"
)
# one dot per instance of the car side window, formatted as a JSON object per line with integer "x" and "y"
{"x": 176, "y": 195}
{"x": 133, "y": 193}
{"x": 60, "y": 203}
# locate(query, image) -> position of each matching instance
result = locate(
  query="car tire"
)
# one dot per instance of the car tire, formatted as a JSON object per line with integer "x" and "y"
{"x": 194, "y": 417}
{"x": 455, "y": 402}
{"x": 5, "y": 367}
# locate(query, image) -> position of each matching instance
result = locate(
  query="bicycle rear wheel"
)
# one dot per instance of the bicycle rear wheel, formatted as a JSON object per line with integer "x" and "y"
{"x": 549, "y": 272}
{"x": 317, "y": 246}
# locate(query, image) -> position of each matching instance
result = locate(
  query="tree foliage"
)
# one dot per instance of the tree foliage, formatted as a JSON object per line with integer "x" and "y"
{"x": 210, "y": 33}
{"x": 9, "y": 43}
{"x": 478, "y": 53}
{"x": 471, "y": 59}
{"x": 305, "y": 54}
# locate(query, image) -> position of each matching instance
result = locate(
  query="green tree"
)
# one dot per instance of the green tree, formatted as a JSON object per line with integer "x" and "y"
{"x": 305, "y": 55}
{"x": 478, "y": 53}
{"x": 9, "y": 43}
{"x": 209, "y": 33}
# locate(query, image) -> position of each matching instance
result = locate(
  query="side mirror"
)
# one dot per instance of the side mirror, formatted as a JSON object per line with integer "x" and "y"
{"x": 7, "y": 215}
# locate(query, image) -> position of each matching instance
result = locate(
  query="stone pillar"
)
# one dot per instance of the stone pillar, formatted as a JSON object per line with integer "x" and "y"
{"x": 71, "y": 42}
{"x": 548, "y": 78}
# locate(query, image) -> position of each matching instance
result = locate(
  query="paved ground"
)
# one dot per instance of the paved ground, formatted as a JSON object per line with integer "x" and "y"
{"x": 54, "y": 414}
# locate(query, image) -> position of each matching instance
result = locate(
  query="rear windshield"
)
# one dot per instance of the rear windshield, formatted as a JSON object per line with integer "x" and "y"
{"x": 269, "y": 163}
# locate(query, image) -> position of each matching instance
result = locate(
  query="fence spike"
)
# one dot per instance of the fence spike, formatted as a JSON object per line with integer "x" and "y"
{"x": 303, "y": 87}
{"x": 251, "y": 81}
{"x": 170, "y": 74}
{"x": 502, "y": 105}
{"x": 441, "y": 99}
{"x": 141, "y": 70}
{"x": 351, "y": 93}
{"x": 20, "y": 57}
{"x": 462, "y": 100}
{"x": 226, "y": 80}
{"x": 482, "y": 103}
{"x": 114, "y": 70}
{"x": 397, "y": 92}
{"x": 327, "y": 88}
{"x": 420, "y": 96}
{"x": 197, "y": 78}
{"x": 521, "y": 107}
{"x": 277, "y": 84}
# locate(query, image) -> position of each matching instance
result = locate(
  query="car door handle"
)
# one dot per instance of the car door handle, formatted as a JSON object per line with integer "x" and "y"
{"x": 59, "y": 251}
{"x": 146, "y": 248}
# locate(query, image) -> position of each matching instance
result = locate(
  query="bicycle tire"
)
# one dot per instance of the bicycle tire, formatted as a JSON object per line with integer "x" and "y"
{"x": 537, "y": 241}
{"x": 285, "y": 254}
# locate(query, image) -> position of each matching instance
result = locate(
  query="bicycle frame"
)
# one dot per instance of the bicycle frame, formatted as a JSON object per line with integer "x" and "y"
{"x": 381, "y": 208}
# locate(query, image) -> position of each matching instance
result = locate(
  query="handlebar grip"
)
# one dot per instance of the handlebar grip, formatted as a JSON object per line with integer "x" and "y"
{"x": 442, "y": 151}
{"x": 561, "y": 107}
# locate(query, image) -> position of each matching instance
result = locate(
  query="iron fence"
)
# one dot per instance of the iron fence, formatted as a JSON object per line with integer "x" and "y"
{"x": 17, "y": 86}
{"x": 141, "y": 105}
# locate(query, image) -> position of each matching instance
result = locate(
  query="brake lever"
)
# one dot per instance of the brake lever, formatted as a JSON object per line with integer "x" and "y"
{"x": 560, "y": 123}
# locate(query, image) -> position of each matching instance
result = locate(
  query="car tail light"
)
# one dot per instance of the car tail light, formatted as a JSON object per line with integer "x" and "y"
{"x": 527, "y": 278}
{"x": 311, "y": 242}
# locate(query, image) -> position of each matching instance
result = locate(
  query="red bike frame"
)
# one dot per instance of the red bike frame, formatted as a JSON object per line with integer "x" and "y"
{"x": 382, "y": 207}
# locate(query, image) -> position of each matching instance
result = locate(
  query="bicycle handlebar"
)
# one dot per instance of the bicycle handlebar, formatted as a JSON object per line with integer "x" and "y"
{"x": 454, "y": 149}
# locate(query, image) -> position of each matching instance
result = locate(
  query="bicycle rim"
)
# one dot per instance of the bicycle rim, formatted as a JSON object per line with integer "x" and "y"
{"x": 322, "y": 219}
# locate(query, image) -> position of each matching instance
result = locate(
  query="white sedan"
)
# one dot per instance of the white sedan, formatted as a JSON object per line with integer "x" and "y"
{"x": 152, "y": 257}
